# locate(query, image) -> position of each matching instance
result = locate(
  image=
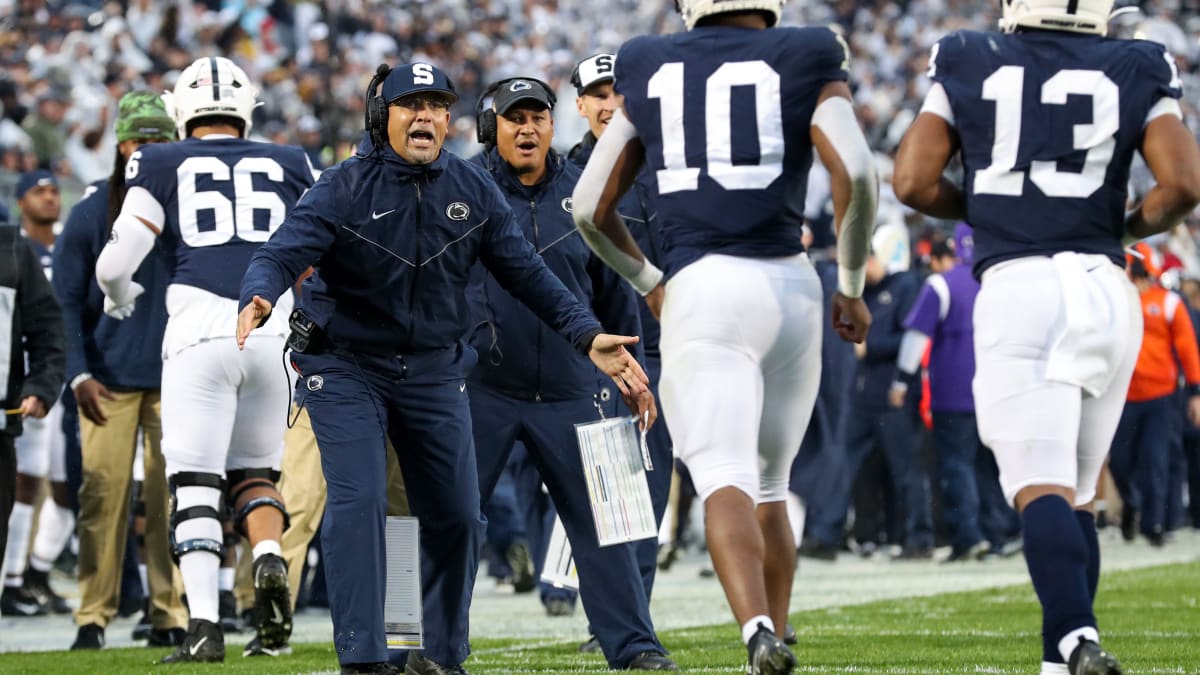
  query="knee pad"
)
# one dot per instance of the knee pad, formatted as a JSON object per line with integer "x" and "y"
{"x": 196, "y": 506}
{"x": 251, "y": 489}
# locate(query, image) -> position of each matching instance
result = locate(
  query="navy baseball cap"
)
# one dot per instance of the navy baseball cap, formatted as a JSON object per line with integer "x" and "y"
{"x": 32, "y": 179}
{"x": 510, "y": 93}
{"x": 595, "y": 69}
{"x": 417, "y": 77}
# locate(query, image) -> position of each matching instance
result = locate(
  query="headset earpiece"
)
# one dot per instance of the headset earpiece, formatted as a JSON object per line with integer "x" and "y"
{"x": 375, "y": 109}
{"x": 485, "y": 120}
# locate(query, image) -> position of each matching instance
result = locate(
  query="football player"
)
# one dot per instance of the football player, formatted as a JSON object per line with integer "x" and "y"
{"x": 210, "y": 201}
{"x": 1046, "y": 117}
{"x": 726, "y": 117}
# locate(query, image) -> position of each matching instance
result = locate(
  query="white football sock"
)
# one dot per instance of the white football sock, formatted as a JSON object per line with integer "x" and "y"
{"x": 1054, "y": 669}
{"x": 19, "y": 525}
{"x": 267, "y": 546}
{"x": 225, "y": 579}
{"x": 751, "y": 627}
{"x": 1071, "y": 640}
{"x": 55, "y": 525}
{"x": 142, "y": 576}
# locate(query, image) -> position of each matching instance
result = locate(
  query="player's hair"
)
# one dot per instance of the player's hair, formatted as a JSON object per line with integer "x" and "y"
{"x": 116, "y": 188}
{"x": 1137, "y": 269}
{"x": 942, "y": 248}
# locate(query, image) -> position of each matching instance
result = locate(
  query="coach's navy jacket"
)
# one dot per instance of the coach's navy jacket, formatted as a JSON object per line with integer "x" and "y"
{"x": 122, "y": 355}
{"x": 638, "y": 210}
{"x": 527, "y": 361}
{"x": 393, "y": 244}
{"x": 889, "y": 302}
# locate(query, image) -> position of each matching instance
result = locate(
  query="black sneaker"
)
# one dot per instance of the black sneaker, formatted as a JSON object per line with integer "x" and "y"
{"x": 255, "y": 648}
{"x": 652, "y": 661}
{"x": 1089, "y": 659}
{"x": 165, "y": 637}
{"x": 769, "y": 655}
{"x": 915, "y": 553}
{"x": 380, "y": 668}
{"x": 559, "y": 607}
{"x": 227, "y": 610}
{"x": 90, "y": 636}
{"x": 789, "y": 635}
{"x": 272, "y": 601}
{"x": 811, "y": 548}
{"x": 592, "y": 646}
{"x": 1129, "y": 522}
{"x": 521, "y": 561}
{"x": 38, "y": 583}
{"x": 974, "y": 552}
{"x": 668, "y": 555}
{"x": 20, "y": 601}
{"x": 204, "y": 644}
{"x": 417, "y": 664}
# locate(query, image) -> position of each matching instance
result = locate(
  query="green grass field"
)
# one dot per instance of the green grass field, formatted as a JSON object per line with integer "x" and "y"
{"x": 1149, "y": 617}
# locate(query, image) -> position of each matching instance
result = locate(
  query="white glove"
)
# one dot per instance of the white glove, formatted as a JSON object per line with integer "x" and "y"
{"x": 124, "y": 310}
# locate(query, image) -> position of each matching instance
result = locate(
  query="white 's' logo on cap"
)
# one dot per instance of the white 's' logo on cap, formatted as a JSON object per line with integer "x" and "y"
{"x": 520, "y": 85}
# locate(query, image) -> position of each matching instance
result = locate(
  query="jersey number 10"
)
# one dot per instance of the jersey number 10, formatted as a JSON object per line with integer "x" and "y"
{"x": 666, "y": 85}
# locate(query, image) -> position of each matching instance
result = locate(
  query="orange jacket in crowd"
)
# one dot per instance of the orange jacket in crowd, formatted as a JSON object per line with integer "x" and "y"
{"x": 1168, "y": 342}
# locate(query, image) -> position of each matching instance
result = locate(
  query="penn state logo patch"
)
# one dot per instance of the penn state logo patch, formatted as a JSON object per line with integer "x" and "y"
{"x": 520, "y": 85}
{"x": 458, "y": 211}
{"x": 568, "y": 204}
{"x": 315, "y": 382}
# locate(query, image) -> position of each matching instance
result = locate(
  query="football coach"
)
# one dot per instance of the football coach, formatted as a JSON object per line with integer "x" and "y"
{"x": 392, "y": 233}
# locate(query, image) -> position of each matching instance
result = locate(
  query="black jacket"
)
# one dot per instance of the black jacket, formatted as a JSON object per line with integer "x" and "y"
{"x": 32, "y": 323}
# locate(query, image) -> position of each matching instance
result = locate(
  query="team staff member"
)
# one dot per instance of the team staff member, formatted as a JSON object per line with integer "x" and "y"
{"x": 31, "y": 322}
{"x": 114, "y": 369}
{"x": 535, "y": 387}
{"x": 1141, "y": 448}
{"x": 393, "y": 233}
{"x": 596, "y": 102}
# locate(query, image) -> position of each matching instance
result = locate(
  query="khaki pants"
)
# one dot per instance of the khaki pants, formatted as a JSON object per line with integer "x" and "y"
{"x": 108, "y": 453}
{"x": 302, "y": 485}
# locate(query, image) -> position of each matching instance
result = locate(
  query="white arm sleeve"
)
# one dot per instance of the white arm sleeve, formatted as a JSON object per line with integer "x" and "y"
{"x": 835, "y": 118}
{"x": 131, "y": 240}
{"x": 912, "y": 349}
{"x": 938, "y": 103}
{"x": 643, "y": 275}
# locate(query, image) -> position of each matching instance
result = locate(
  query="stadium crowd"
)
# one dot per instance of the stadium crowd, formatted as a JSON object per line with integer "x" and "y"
{"x": 66, "y": 66}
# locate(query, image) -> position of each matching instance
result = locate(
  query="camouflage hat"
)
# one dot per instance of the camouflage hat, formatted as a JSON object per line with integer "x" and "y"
{"x": 142, "y": 115}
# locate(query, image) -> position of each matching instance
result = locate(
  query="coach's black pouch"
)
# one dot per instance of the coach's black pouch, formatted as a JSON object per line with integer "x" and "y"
{"x": 306, "y": 336}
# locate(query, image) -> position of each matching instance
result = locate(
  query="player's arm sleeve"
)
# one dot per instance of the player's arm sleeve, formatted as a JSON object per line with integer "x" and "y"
{"x": 603, "y": 229}
{"x": 615, "y": 304}
{"x": 134, "y": 234}
{"x": 518, "y": 268}
{"x": 1183, "y": 338}
{"x": 835, "y": 119}
{"x": 74, "y": 266}
{"x": 307, "y": 233}
{"x": 1163, "y": 72}
{"x": 41, "y": 329}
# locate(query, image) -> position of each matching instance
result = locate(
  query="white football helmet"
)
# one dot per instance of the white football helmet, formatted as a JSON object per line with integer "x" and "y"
{"x": 1075, "y": 16}
{"x": 212, "y": 85}
{"x": 694, "y": 10}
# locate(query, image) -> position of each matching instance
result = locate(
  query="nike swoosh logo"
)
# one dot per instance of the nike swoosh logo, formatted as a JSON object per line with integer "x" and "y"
{"x": 196, "y": 647}
{"x": 375, "y": 215}
{"x": 278, "y": 616}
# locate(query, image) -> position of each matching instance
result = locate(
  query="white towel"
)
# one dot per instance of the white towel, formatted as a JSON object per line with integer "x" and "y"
{"x": 1096, "y": 330}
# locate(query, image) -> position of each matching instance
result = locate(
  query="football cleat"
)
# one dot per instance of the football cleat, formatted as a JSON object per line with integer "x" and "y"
{"x": 1089, "y": 659}
{"x": 769, "y": 655}
{"x": 272, "y": 601}
{"x": 204, "y": 644}
{"x": 255, "y": 648}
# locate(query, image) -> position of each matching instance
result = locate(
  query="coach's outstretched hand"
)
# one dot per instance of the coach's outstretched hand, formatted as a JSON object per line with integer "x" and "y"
{"x": 251, "y": 317}
{"x": 851, "y": 318}
{"x": 610, "y": 356}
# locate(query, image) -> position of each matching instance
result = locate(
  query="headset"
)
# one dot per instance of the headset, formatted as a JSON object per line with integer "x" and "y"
{"x": 485, "y": 120}
{"x": 376, "y": 110}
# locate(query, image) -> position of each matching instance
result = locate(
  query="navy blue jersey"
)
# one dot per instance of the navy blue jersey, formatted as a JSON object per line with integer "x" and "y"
{"x": 724, "y": 115}
{"x": 1048, "y": 123}
{"x": 222, "y": 198}
{"x": 45, "y": 256}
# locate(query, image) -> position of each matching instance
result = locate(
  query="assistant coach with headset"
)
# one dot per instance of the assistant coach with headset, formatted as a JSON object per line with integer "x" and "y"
{"x": 533, "y": 388}
{"x": 393, "y": 233}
